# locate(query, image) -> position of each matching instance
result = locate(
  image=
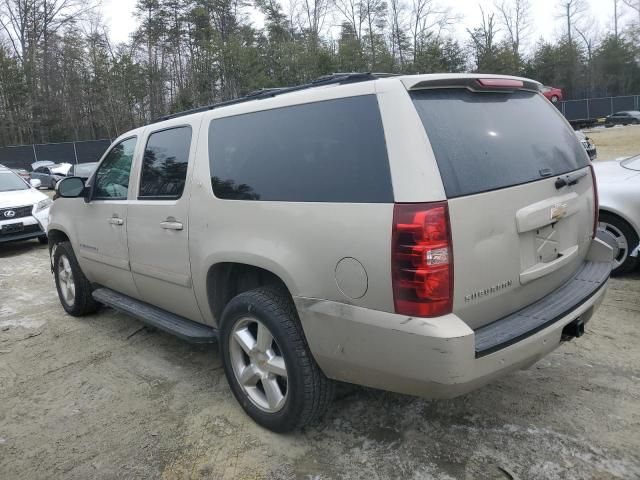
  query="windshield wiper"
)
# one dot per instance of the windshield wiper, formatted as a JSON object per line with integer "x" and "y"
{"x": 569, "y": 179}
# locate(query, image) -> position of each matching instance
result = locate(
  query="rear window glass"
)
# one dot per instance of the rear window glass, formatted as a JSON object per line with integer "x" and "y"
{"x": 329, "y": 151}
{"x": 486, "y": 141}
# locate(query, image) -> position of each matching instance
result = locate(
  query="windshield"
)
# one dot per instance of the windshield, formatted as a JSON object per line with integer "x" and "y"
{"x": 9, "y": 182}
{"x": 487, "y": 141}
{"x": 632, "y": 163}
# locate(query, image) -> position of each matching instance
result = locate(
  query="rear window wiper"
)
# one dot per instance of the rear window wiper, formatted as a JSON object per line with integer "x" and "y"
{"x": 569, "y": 179}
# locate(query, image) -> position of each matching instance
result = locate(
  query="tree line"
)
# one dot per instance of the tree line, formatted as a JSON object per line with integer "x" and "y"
{"x": 62, "y": 78}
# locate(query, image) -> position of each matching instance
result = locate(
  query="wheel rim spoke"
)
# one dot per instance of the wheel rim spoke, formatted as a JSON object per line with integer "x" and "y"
{"x": 245, "y": 340}
{"x": 264, "y": 340}
{"x": 250, "y": 376}
{"x": 273, "y": 393}
{"x": 276, "y": 366}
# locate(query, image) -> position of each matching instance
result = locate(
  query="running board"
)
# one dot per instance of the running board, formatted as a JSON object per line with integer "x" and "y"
{"x": 176, "y": 325}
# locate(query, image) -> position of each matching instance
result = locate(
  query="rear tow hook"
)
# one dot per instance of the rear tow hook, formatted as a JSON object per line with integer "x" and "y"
{"x": 572, "y": 330}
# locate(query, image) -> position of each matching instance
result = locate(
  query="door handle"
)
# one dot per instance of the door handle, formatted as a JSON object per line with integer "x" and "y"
{"x": 116, "y": 221}
{"x": 171, "y": 225}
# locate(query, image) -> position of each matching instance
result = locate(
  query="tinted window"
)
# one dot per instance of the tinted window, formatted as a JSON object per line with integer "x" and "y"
{"x": 485, "y": 141}
{"x": 112, "y": 178}
{"x": 330, "y": 151}
{"x": 164, "y": 166}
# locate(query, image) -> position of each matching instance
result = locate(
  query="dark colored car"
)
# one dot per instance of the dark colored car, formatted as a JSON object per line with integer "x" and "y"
{"x": 629, "y": 117}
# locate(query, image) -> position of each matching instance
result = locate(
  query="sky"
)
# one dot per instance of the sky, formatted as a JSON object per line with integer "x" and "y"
{"x": 119, "y": 17}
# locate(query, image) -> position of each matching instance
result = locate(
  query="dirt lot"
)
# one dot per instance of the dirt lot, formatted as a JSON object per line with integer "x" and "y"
{"x": 616, "y": 142}
{"x": 103, "y": 397}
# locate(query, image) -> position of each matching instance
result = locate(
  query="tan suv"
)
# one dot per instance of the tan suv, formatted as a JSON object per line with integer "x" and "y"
{"x": 421, "y": 234}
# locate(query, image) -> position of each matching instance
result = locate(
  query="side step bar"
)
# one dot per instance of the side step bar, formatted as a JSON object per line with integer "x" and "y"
{"x": 179, "y": 326}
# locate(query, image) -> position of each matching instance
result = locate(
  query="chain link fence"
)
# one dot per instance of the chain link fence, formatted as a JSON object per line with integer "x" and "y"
{"x": 22, "y": 156}
{"x": 595, "y": 108}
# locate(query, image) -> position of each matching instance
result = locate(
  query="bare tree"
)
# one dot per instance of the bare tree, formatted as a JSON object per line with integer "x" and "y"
{"x": 484, "y": 36}
{"x": 572, "y": 12}
{"x": 515, "y": 18}
{"x": 635, "y": 6}
{"x": 352, "y": 12}
{"x": 428, "y": 19}
{"x": 397, "y": 22}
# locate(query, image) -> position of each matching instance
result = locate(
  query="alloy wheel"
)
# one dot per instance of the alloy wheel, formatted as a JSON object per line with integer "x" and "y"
{"x": 258, "y": 364}
{"x": 621, "y": 241}
{"x": 66, "y": 280}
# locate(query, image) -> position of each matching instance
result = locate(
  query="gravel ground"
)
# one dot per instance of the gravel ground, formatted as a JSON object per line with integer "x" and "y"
{"x": 615, "y": 142}
{"x": 104, "y": 397}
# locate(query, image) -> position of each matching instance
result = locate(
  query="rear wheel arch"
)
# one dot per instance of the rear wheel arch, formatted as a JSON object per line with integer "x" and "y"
{"x": 226, "y": 280}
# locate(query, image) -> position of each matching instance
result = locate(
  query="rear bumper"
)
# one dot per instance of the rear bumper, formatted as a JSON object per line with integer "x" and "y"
{"x": 435, "y": 358}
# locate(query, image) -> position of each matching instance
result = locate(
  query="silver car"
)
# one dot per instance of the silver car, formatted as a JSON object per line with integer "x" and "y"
{"x": 406, "y": 233}
{"x": 619, "y": 225}
{"x": 49, "y": 173}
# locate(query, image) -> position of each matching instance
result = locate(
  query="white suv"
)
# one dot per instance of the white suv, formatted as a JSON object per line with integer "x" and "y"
{"x": 24, "y": 210}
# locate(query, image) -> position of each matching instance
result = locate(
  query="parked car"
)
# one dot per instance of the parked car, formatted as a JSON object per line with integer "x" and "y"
{"x": 406, "y": 233}
{"x": 50, "y": 174}
{"x": 24, "y": 210}
{"x": 83, "y": 170}
{"x": 24, "y": 174}
{"x": 553, "y": 94}
{"x": 588, "y": 145}
{"x": 631, "y": 117}
{"x": 619, "y": 196}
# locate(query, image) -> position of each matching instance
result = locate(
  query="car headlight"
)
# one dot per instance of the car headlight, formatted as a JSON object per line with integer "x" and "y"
{"x": 42, "y": 204}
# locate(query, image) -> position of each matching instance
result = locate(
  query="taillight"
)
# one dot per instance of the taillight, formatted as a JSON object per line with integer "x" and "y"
{"x": 422, "y": 259}
{"x": 596, "y": 201}
{"x": 501, "y": 82}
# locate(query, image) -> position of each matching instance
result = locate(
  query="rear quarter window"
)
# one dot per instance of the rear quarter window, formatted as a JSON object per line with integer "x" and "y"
{"x": 329, "y": 151}
{"x": 487, "y": 141}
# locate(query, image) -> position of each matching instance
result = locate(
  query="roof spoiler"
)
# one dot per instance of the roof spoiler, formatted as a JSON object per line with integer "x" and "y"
{"x": 480, "y": 84}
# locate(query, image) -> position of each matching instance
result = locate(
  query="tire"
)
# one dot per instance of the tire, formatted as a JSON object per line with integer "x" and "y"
{"x": 67, "y": 272}
{"x": 619, "y": 228}
{"x": 305, "y": 394}
{"x": 43, "y": 239}
{"x": 554, "y": 99}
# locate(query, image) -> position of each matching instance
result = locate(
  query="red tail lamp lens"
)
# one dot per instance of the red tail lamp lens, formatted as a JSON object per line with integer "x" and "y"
{"x": 501, "y": 82}
{"x": 422, "y": 260}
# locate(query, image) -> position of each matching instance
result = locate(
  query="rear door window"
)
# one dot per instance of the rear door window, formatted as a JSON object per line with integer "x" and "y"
{"x": 487, "y": 141}
{"x": 329, "y": 151}
{"x": 164, "y": 165}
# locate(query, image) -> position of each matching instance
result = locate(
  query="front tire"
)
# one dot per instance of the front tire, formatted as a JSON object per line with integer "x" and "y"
{"x": 626, "y": 238}
{"x": 267, "y": 361}
{"x": 554, "y": 99}
{"x": 74, "y": 290}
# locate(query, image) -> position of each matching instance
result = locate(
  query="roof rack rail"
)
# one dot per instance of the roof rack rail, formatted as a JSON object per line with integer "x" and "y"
{"x": 334, "y": 78}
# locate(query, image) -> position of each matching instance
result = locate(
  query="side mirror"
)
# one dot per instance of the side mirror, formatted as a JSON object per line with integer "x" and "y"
{"x": 35, "y": 183}
{"x": 70, "y": 187}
